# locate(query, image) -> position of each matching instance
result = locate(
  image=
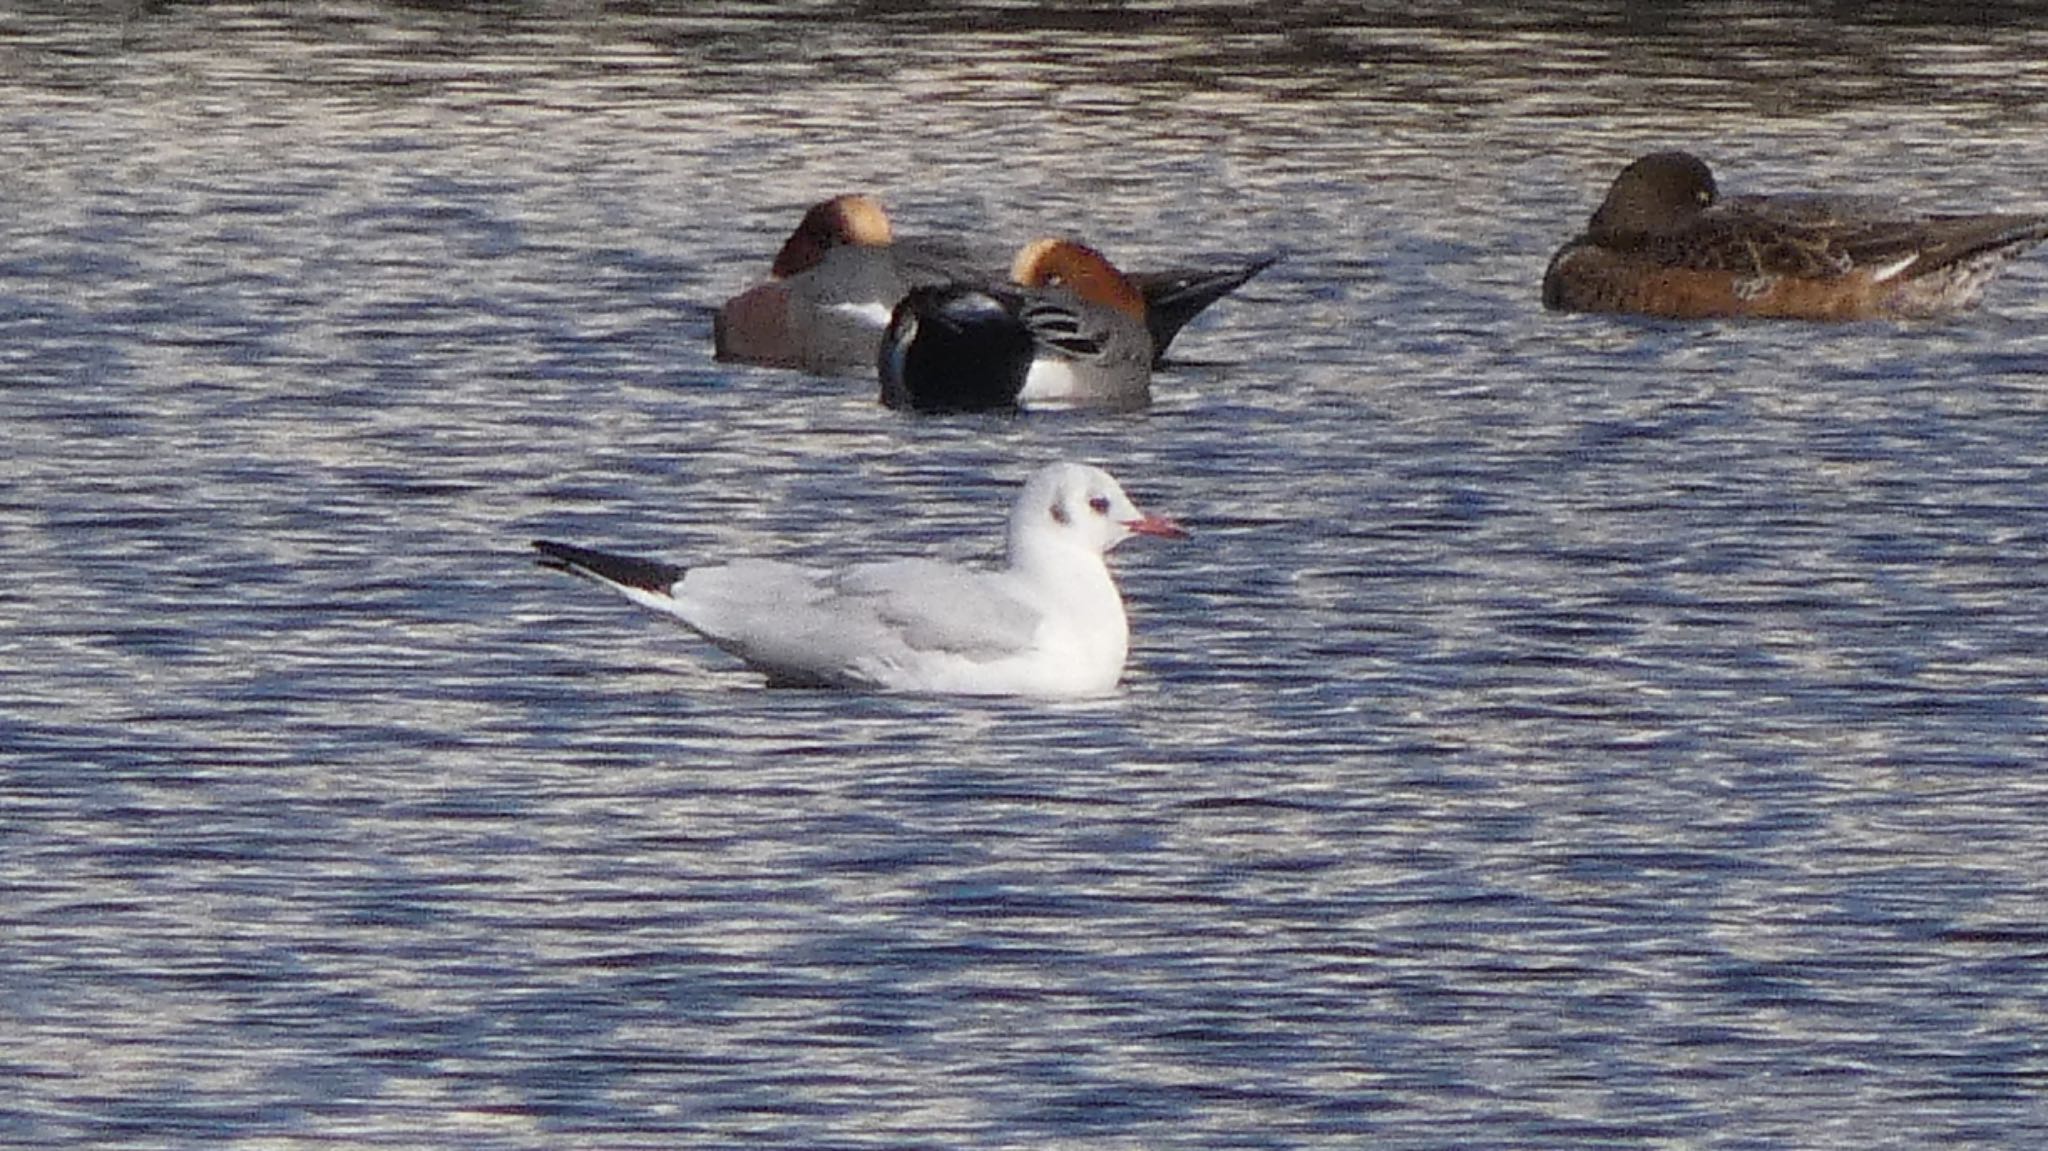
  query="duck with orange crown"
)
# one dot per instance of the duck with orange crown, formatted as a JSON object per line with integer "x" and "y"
{"x": 836, "y": 281}
{"x": 1068, "y": 331}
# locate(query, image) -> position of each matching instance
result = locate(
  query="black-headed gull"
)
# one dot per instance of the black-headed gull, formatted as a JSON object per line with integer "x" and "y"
{"x": 1050, "y": 623}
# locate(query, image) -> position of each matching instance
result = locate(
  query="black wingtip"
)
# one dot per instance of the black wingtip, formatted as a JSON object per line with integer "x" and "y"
{"x": 1261, "y": 263}
{"x": 551, "y": 557}
{"x": 626, "y": 571}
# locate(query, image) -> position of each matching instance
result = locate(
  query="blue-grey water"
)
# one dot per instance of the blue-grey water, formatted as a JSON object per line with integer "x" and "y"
{"x": 1560, "y": 731}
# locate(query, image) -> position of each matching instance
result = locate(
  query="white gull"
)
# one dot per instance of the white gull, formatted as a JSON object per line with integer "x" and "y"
{"x": 1048, "y": 624}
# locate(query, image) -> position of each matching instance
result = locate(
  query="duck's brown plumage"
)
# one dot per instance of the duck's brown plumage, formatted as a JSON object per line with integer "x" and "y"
{"x": 1665, "y": 243}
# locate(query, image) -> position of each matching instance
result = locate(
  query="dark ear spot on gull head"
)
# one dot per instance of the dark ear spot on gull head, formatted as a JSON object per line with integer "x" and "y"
{"x": 1059, "y": 513}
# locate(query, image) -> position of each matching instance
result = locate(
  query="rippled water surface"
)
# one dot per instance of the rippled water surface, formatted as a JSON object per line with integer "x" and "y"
{"x": 1560, "y": 732}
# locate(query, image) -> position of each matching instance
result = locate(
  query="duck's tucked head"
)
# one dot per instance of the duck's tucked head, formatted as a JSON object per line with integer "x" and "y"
{"x": 1662, "y": 193}
{"x": 955, "y": 348}
{"x": 851, "y": 219}
{"x": 1069, "y": 264}
{"x": 1078, "y": 506}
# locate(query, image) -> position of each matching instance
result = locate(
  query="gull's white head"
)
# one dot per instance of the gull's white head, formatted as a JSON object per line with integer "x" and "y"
{"x": 1074, "y": 506}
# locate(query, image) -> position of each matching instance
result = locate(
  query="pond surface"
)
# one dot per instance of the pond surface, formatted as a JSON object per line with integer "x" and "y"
{"x": 1560, "y": 732}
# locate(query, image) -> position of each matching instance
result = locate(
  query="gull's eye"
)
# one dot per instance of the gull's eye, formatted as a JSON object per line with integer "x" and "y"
{"x": 1099, "y": 504}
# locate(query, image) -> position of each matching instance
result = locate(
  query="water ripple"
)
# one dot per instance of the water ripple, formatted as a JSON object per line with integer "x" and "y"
{"x": 1559, "y": 731}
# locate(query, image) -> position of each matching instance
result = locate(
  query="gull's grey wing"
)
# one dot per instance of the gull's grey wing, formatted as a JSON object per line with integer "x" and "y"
{"x": 941, "y": 608}
{"x": 858, "y": 627}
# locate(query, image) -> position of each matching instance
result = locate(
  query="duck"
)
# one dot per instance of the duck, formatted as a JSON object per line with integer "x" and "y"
{"x": 830, "y": 290}
{"x": 1049, "y": 623}
{"x": 1067, "y": 331}
{"x": 1665, "y": 242}
{"x": 836, "y": 280}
